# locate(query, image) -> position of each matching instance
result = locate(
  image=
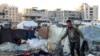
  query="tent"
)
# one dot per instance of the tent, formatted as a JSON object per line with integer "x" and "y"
{"x": 55, "y": 36}
{"x": 24, "y": 24}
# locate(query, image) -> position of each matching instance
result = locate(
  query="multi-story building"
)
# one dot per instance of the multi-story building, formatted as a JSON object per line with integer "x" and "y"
{"x": 72, "y": 15}
{"x": 33, "y": 13}
{"x": 56, "y": 15}
{"x": 59, "y": 15}
{"x": 9, "y": 13}
{"x": 88, "y": 12}
{"x": 19, "y": 18}
{"x": 85, "y": 12}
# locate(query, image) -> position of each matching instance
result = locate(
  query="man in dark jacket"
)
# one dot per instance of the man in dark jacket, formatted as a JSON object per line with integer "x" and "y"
{"x": 74, "y": 35}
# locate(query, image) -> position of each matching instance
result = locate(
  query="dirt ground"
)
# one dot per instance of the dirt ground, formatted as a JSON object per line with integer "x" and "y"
{"x": 7, "y": 53}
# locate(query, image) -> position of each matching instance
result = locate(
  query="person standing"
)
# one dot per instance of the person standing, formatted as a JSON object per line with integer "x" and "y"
{"x": 74, "y": 35}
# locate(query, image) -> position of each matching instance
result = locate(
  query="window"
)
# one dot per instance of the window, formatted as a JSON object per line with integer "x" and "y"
{"x": 91, "y": 8}
{"x": 72, "y": 15}
{"x": 91, "y": 11}
{"x": 91, "y": 14}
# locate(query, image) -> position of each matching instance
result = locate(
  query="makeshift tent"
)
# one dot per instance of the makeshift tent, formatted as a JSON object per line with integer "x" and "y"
{"x": 92, "y": 34}
{"x": 9, "y": 35}
{"x": 55, "y": 34}
{"x": 24, "y": 24}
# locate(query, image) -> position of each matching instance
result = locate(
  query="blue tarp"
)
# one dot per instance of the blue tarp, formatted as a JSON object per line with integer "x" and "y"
{"x": 92, "y": 33}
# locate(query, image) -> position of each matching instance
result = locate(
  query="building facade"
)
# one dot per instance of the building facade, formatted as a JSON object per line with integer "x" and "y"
{"x": 84, "y": 12}
{"x": 34, "y": 13}
{"x": 9, "y": 13}
{"x": 56, "y": 15}
{"x": 64, "y": 15}
{"x": 72, "y": 15}
{"x": 88, "y": 12}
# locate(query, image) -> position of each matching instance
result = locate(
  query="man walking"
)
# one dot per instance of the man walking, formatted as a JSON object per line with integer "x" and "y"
{"x": 74, "y": 35}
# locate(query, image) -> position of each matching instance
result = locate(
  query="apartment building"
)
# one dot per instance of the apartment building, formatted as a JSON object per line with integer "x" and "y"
{"x": 84, "y": 12}
{"x": 88, "y": 12}
{"x": 9, "y": 13}
{"x": 34, "y": 13}
{"x": 63, "y": 15}
{"x": 56, "y": 15}
{"x": 19, "y": 18}
{"x": 72, "y": 15}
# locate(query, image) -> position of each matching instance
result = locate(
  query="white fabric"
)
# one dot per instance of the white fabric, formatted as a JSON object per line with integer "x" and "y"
{"x": 55, "y": 33}
{"x": 90, "y": 55}
{"x": 36, "y": 43}
{"x": 26, "y": 24}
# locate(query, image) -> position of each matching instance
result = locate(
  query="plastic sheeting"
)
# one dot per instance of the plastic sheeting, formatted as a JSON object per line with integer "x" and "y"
{"x": 8, "y": 47}
{"x": 92, "y": 34}
{"x": 13, "y": 47}
{"x": 26, "y": 24}
{"x": 24, "y": 47}
{"x": 37, "y": 44}
{"x": 55, "y": 33}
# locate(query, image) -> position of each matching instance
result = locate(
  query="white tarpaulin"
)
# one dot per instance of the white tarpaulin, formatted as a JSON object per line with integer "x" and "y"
{"x": 38, "y": 44}
{"x": 26, "y": 24}
{"x": 55, "y": 33}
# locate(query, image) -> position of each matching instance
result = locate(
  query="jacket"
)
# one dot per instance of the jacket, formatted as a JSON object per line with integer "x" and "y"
{"x": 77, "y": 34}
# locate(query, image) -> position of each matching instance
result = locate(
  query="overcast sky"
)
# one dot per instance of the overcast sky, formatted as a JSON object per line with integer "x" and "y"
{"x": 50, "y": 4}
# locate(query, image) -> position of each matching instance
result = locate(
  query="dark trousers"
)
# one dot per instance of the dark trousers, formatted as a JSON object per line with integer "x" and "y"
{"x": 75, "y": 46}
